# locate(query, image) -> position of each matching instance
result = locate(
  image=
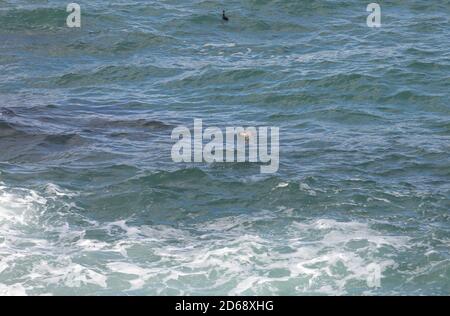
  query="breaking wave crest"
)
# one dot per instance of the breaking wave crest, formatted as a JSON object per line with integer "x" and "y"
{"x": 50, "y": 248}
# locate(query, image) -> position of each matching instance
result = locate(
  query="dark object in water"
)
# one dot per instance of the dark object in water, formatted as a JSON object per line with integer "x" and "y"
{"x": 224, "y": 17}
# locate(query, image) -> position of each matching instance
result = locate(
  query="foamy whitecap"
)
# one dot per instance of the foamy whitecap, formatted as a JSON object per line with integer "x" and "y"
{"x": 219, "y": 45}
{"x": 12, "y": 290}
{"x": 236, "y": 254}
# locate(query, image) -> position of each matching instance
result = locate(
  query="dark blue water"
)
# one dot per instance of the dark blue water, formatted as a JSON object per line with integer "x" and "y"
{"x": 92, "y": 203}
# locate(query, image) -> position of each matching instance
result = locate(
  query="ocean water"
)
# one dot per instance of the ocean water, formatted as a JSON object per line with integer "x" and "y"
{"x": 91, "y": 202}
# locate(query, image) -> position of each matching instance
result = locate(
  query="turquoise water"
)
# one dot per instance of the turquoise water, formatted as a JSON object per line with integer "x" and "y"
{"x": 92, "y": 204}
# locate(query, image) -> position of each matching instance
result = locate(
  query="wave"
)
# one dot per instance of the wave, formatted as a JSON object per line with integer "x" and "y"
{"x": 130, "y": 123}
{"x": 429, "y": 66}
{"x": 42, "y": 19}
{"x": 112, "y": 74}
{"x": 231, "y": 254}
{"x": 23, "y": 143}
{"x": 103, "y": 43}
{"x": 415, "y": 97}
{"x": 4, "y": 111}
{"x": 218, "y": 77}
{"x": 345, "y": 116}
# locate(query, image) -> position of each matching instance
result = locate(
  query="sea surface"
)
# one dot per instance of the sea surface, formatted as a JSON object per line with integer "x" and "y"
{"x": 91, "y": 202}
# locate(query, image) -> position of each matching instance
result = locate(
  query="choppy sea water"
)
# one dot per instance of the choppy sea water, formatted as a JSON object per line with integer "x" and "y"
{"x": 92, "y": 204}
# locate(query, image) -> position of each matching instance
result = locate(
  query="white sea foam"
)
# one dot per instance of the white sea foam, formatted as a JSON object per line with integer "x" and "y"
{"x": 12, "y": 290}
{"x": 282, "y": 185}
{"x": 67, "y": 273}
{"x": 238, "y": 254}
{"x": 30, "y": 247}
{"x": 219, "y": 45}
{"x": 244, "y": 258}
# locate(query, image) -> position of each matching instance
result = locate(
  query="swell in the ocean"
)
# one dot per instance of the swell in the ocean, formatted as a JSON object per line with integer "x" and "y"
{"x": 91, "y": 202}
